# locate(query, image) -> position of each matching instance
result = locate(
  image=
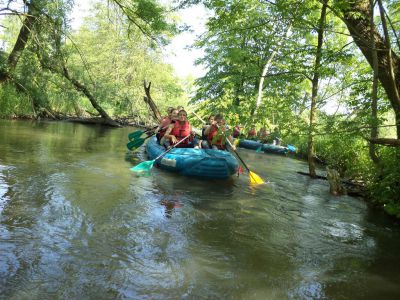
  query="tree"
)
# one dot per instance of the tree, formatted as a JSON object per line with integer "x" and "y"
{"x": 356, "y": 15}
{"x": 314, "y": 95}
{"x": 47, "y": 21}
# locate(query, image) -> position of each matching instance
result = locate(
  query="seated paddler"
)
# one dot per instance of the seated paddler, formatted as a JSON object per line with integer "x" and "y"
{"x": 177, "y": 131}
{"x": 218, "y": 133}
{"x": 166, "y": 121}
{"x": 203, "y": 143}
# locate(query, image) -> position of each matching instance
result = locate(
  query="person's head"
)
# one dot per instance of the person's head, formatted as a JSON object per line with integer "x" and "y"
{"x": 169, "y": 111}
{"x": 210, "y": 119}
{"x": 174, "y": 114}
{"x": 182, "y": 115}
{"x": 219, "y": 119}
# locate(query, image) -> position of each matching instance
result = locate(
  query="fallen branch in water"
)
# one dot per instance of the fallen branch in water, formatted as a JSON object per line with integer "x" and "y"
{"x": 355, "y": 189}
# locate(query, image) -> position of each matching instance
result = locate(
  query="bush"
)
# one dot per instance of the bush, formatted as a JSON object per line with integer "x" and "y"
{"x": 385, "y": 188}
{"x": 12, "y": 104}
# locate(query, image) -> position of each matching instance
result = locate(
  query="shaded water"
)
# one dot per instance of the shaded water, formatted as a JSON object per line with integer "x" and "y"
{"x": 75, "y": 223}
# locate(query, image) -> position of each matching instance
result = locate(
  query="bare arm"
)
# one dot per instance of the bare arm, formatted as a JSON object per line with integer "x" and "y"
{"x": 207, "y": 130}
{"x": 230, "y": 138}
{"x": 169, "y": 129}
{"x": 168, "y": 134}
{"x": 157, "y": 129}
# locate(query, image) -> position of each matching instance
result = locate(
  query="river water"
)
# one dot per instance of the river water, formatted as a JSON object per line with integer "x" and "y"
{"x": 76, "y": 223}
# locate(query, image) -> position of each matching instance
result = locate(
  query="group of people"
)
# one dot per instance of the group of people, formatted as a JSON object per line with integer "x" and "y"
{"x": 175, "y": 130}
{"x": 263, "y": 135}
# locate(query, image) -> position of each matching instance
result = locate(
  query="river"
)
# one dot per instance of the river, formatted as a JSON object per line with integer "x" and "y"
{"x": 76, "y": 223}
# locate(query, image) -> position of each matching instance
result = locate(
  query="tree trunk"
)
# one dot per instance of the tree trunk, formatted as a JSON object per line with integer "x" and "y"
{"x": 374, "y": 96}
{"x": 314, "y": 94}
{"x": 151, "y": 103}
{"x": 335, "y": 183}
{"x": 81, "y": 88}
{"x": 357, "y": 19}
{"x": 22, "y": 40}
{"x": 264, "y": 73}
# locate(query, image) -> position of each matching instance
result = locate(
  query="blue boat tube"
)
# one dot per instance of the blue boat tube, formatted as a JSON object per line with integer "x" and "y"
{"x": 267, "y": 148}
{"x": 202, "y": 163}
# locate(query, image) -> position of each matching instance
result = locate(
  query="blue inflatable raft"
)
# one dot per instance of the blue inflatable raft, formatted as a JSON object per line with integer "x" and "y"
{"x": 202, "y": 163}
{"x": 267, "y": 148}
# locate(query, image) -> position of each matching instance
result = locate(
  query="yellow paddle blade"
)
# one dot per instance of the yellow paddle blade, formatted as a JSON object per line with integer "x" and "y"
{"x": 254, "y": 178}
{"x": 236, "y": 142}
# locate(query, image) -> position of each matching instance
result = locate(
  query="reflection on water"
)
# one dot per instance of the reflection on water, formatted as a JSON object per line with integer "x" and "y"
{"x": 76, "y": 223}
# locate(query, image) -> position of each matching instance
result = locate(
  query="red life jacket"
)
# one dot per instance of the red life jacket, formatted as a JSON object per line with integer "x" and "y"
{"x": 164, "y": 126}
{"x": 236, "y": 131}
{"x": 181, "y": 131}
{"x": 263, "y": 134}
{"x": 252, "y": 132}
{"x": 220, "y": 142}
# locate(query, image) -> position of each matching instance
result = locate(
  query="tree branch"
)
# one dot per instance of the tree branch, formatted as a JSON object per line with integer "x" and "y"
{"x": 385, "y": 142}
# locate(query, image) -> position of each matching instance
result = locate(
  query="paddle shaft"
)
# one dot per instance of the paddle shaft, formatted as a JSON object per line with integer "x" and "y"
{"x": 165, "y": 152}
{"x": 198, "y": 117}
{"x": 237, "y": 154}
{"x": 141, "y": 132}
{"x": 150, "y": 129}
{"x": 165, "y": 127}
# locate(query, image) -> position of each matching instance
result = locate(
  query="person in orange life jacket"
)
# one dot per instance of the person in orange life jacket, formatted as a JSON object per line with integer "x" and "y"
{"x": 167, "y": 120}
{"x": 216, "y": 134}
{"x": 178, "y": 131}
{"x": 252, "y": 134}
{"x": 203, "y": 142}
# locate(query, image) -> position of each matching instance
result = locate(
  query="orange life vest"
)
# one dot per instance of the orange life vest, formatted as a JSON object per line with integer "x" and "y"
{"x": 181, "y": 131}
{"x": 220, "y": 142}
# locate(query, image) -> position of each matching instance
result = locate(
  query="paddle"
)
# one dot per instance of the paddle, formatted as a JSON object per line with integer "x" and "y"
{"x": 147, "y": 165}
{"x": 254, "y": 178}
{"x": 136, "y": 143}
{"x": 138, "y": 133}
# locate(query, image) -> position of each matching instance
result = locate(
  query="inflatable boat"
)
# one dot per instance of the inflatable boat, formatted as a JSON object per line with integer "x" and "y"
{"x": 267, "y": 148}
{"x": 201, "y": 163}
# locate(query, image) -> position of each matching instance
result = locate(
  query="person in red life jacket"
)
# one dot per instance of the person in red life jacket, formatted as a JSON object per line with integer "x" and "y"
{"x": 177, "y": 131}
{"x": 203, "y": 142}
{"x": 252, "y": 134}
{"x": 263, "y": 135}
{"x": 236, "y": 131}
{"x": 165, "y": 122}
{"x": 217, "y": 134}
